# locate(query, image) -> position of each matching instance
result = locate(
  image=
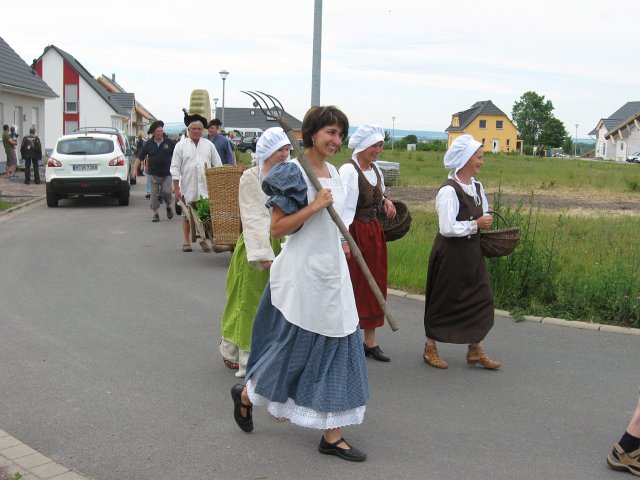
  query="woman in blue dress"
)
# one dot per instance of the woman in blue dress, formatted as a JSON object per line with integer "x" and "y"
{"x": 307, "y": 363}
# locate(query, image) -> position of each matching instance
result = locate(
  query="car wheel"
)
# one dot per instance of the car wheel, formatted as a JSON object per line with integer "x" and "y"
{"x": 123, "y": 198}
{"x": 52, "y": 199}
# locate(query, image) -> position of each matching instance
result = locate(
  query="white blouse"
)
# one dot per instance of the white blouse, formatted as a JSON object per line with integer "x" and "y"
{"x": 188, "y": 165}
{"x": 349, "y": 176}
{"x": 256, "y": 218}
{"x": 448, "y": 206}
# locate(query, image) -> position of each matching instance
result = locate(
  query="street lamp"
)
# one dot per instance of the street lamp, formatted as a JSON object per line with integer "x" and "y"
{"x": 223, "y": 74}
{"x": 575, "y": 147}
{"x": 393, "y": 131}
{"x": 215, "y": 107}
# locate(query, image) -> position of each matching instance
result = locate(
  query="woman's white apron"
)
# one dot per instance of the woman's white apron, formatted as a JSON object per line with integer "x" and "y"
{"x": 310, "y": 281}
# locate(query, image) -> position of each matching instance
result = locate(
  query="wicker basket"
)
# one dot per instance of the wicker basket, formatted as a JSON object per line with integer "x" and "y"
{"x": 223, "y": 184}
{"x": 501, "y": 242}
{"x": 398, "y": 226}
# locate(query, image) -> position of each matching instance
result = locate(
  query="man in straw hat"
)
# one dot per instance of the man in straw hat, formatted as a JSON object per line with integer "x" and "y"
{"x": 190, "y": 158}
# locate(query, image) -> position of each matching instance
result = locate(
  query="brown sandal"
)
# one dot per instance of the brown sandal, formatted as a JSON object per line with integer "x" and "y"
{"x": 186, "y": 248}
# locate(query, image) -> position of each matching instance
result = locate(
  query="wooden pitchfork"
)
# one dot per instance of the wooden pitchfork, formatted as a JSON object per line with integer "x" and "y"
{"x": 276, "y": 111}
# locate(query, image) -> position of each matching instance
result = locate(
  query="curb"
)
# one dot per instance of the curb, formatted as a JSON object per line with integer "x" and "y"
{"x": 559, "y": 322}
{"x": 24, "y": 204}
{"x": 17, "y": 457}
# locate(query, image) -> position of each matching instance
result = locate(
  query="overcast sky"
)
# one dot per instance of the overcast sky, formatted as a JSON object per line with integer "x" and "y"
{"x": 417, "y": 60}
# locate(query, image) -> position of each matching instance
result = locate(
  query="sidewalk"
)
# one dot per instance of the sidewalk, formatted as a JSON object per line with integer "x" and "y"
{"x": 17, "y": 457}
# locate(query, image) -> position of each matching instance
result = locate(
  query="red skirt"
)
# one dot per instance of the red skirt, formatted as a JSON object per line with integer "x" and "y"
{"x": 370, "y": 239}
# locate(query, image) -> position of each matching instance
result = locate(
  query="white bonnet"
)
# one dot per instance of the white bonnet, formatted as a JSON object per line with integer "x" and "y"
{"x": 460, "y": 151}
{"x": 270, "y": 141}
{"x": 365, "y": 136}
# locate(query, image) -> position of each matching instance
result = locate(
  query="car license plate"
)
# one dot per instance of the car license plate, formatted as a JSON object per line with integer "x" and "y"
{"x": 84, "y": 168}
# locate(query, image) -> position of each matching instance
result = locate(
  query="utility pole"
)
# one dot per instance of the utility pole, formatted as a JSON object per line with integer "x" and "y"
{"x": 317, "y": 53}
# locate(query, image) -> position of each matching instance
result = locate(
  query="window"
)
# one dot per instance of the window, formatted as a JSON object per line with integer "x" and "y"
{"x": 71, "y": 99}
{"x": 455, "y": 122}
{"x": 499, "y": 124}
{"x": 483, "y": 141}
{"x": 483, "y": 124}
{"x": 508, "y": 142}
{"x": 35, "y": 118}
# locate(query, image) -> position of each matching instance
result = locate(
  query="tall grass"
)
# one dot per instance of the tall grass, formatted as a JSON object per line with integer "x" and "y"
{"x": 564, "y": 266}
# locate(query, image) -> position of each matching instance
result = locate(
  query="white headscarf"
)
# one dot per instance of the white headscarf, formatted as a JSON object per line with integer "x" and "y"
{"x": 270, "y": 141}
{"x": 365, "y": 136}
{"x": 460, "y": 151}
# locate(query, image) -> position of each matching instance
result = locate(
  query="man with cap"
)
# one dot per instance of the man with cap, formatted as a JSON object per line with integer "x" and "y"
{"x": 364, "y": 184}
{"x": 158, "y": 151}
{"x": 223, "y": 145}
{"x": 191, "y": 157}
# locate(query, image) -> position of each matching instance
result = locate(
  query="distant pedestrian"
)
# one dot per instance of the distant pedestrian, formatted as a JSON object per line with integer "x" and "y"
{"x": 31, "y": 152}
{"x": 223, "y": 145}
{"x": 191, "y": 157}
{"x": 626, "y": 453}
{"x": 10, "y": 149}
{"x": 157, "y": 151}
{"x": 139, "y": 144}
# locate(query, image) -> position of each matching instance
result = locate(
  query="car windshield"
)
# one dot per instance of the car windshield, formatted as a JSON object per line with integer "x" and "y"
{"x": 85, "y": 146}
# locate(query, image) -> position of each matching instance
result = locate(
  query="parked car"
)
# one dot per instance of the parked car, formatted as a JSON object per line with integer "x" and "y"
{"x": 634, "y": 158}
{"x": 87, "y": 164}
{"x": 247, "y": 143}
{"x": 125, "y": 144}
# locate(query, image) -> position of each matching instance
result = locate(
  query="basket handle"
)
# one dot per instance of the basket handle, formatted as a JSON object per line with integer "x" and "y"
{"x": 500, "y": 217}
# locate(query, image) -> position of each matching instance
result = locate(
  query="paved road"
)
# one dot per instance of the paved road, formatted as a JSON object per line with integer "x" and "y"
{"x": 109, "y": 365}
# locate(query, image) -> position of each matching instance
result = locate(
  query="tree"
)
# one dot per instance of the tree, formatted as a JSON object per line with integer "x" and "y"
{"x": 530, "y": 114}
{"x": 410, "y": 139}
{"x": 553, "y": 134}
{"x": 387, "y": 136}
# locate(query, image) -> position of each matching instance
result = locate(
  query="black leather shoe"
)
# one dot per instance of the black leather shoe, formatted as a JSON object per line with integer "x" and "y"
{"x": 351, "y": 454}
{"x": 245, "y": 423}
{"x": 376, "y": 353}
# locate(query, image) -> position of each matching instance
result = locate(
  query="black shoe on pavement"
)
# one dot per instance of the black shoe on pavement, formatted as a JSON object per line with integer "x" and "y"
{"x": 351, "y": 454}
{"x": 148, "y": 195}
{"x": 27, "y": 182}
{"x": 169, "y": 213}
{"x": 156, "y": 218}
{"x": 376, "y": 353}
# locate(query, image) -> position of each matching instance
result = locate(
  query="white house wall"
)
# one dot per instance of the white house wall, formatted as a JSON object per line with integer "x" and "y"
{"x": 52, "y": 73}
{"x": 32, "y": 109}
{"x": 94, "y": 111}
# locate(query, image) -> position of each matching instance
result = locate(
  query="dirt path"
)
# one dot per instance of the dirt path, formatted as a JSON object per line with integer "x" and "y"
{"x": 591, "y": 204}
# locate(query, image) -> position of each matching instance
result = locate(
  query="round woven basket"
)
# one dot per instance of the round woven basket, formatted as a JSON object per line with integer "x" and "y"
{"x": 398, "y": 226}
{"x": 501, "y": 242}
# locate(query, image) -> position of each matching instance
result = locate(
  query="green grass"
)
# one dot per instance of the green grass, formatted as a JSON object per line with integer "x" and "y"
{"x": 583, "y": 268}
{"x": 6, "y": 205}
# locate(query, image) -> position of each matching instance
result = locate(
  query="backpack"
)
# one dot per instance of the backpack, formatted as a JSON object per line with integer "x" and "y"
{"x": 29, "y": 148}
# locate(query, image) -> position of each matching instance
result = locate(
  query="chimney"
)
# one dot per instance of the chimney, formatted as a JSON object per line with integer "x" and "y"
{"x": 113, "y": 77}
